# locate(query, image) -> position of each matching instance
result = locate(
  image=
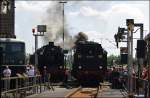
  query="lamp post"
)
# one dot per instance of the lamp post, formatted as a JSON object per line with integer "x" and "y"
{"x": 63, "y": 19}
{"x": 63, "y": 23}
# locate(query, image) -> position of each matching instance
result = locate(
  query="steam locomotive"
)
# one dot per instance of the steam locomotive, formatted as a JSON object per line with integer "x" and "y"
{"x": 90, "y": 63}
{"x": 52, "y": 57}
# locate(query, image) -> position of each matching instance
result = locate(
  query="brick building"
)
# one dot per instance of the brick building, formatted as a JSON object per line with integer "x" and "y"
{"x": 7, "y": 19}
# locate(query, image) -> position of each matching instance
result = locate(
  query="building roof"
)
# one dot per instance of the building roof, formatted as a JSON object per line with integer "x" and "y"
{"x": 10, "y": 40}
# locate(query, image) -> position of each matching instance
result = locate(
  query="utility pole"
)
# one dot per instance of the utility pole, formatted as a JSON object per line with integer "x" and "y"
{"x": 63, "y": 20}
{"x": 130, "y": 28}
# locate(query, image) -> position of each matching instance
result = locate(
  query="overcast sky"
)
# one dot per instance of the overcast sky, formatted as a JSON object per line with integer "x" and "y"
{"x": 98, "y": 19}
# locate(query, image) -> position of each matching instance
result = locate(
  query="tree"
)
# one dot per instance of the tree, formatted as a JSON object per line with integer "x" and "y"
{"x": 113, "y": 59}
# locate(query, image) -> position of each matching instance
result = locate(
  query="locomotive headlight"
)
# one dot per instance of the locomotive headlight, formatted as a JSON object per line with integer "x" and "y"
{"x": 60, "y": 67}
{"x": 100, "y": 67}
{"x": 80, "y": 67}
{"x": 100, "y": 56}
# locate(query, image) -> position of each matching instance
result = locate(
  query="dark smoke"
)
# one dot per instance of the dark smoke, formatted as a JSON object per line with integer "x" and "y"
{"x": 81, "y": 37}
{"x": 54, "y": 22}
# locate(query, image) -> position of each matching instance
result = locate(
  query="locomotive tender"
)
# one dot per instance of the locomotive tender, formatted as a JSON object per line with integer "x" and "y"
{"x": 90, "y": 63}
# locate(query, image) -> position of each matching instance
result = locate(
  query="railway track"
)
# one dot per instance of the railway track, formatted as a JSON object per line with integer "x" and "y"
{"x": 103, "y": 91}
{"x": 83, "y": 93}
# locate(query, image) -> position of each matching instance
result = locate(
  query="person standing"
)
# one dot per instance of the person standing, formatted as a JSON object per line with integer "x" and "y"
{"x": 145, "y": 72}
{"x": 7, "y": 74}
{"x": 31, "y": 71}
{"x": 32, "y": 78}
{"x": 27, "y": 70}
{"x": 115, "y": 78}
{"x": 45, "y": 74}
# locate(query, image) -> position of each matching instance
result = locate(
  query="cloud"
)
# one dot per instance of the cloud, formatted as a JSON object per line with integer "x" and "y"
{"x": 108, "y": 21}
{"x": 89, "y": 11}
{"x": 124, "y": 9}
{"x": 32, "y": 5}
{"x": 86, "y": 11}
{"x": 74, "y": 13}
{"x": 92, "y": 35}
{"x": 97, "y": 19}
{"x": 127, "y": 9}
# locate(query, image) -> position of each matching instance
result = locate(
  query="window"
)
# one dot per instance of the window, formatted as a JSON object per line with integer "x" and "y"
{"x": 3, "y": 46}
{"x": 16, "y": 47}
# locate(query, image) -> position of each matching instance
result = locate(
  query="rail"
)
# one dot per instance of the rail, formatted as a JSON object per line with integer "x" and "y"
{"x": 22, "y": 86}
{"x": 83, "y": 93}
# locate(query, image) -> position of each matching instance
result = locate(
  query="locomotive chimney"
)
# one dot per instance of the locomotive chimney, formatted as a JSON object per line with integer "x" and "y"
{"x": 51, "y": 43}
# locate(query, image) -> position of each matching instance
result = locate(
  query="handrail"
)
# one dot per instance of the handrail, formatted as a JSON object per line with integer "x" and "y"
{"x": 24, "y": 83}
{"x": 13, "y": 90}
{"x": 18, "y": 77}
{"x": 146, "y": 80}
{"x": 140, "y": 86}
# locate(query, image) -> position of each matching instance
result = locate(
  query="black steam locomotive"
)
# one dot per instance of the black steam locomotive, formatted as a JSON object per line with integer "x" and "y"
{"x": 90, "y": 63}
{"x": 52, "y": 57}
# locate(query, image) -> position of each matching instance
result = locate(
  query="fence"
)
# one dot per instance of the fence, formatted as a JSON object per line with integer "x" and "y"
{"x": 140, "y": 87}
{"x": 22, "y": 86}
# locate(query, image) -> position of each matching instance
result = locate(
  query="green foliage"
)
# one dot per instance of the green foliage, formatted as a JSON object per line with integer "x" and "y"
{"x": 113, "y": 59}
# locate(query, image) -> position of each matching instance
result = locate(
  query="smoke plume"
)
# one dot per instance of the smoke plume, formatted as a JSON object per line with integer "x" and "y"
{"x": 54, "y": 22}
{"x": 81, "y": 37}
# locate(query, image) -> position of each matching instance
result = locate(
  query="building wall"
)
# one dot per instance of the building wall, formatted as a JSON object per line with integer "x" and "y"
{"x": 7, "y": 22}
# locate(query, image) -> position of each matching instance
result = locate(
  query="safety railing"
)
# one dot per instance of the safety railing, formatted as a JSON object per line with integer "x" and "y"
{"x": 22, "y": 86}
{"x": 140, "y": 87}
